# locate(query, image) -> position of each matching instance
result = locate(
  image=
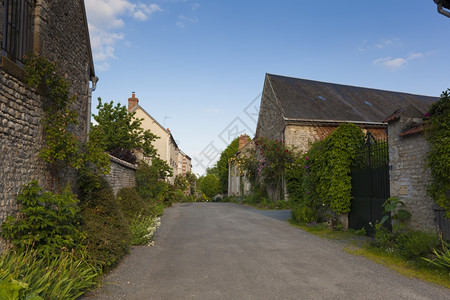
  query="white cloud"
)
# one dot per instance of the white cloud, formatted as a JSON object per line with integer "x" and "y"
{"x": 391, "y": 63}
{"x": 106, "y": 19}
{"x": 183, "y": 21}
{"x": 387, "y": 42}
{"x": 394, "y": 64}
{"x": 415, "y": 55}
{"x": 383, "y": 44}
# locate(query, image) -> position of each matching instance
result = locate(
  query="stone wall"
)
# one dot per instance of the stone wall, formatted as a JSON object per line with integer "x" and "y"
{"x": 409, "y": 176}
{"x": 302, "y": 135}
{"x": 270, "y": 120}
{"x": 20, "y": 137}
{"x": 60, "y": 34}
{"x": 123, "y": 174}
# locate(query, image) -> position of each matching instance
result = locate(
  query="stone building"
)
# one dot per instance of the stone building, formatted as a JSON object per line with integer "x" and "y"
{"x": 58, "y": 31}
{"x": 166, "y": 146}
{"x": 300, "y": 111}
{"x": 408, "y": 174}
{"x": 238, "y": 184}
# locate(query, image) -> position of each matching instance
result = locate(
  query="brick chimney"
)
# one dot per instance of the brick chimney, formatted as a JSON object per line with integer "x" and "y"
{"x": 132, "y": 102}
{"x": 243, "y": 141}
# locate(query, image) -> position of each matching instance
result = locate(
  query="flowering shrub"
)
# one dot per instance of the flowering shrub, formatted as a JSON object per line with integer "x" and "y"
{"x": 273, "y": 157}
{"x": 143, "y": 228}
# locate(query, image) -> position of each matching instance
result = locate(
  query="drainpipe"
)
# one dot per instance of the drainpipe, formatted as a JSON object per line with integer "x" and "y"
{"x": 94, "y": 80}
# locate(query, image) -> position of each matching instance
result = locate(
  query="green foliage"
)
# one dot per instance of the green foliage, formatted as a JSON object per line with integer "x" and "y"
{"x": 181, "y": 183}
{"x": 321, "y": 177}
{"x": 222, "y": 164}
{"x": 398, "y": 215}
{"x": 27, "y": 275}
{"x": 415, "y": 244}
{"x": 11, "y": 289}
{"x": 107, "y": 233}
{"x": 209, "y": 185}
{"x": 333, "y": 165}
{"x": 121, "y": 129}
{"x": 303, "y": 214}
{"x": 62, "y": 148}
{"x": 143, "y": 228}
{"x": 274, "y": 158}
{"x": 131, "y": 203}
{"x": 49, "y": 222}
{"x": 442, "y": 257}
{"x": 438, "y": 159}
{"x": 151, "y": 182}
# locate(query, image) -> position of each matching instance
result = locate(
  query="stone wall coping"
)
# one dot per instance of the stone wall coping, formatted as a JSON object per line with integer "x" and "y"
{"x": 122, "y": 162}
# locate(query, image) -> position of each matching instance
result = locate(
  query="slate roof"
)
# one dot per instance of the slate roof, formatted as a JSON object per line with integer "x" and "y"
{"x": 302, "y": 99}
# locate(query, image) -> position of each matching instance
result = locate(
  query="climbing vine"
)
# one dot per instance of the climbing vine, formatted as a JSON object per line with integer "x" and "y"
{"x": 62, "y": 148}
{"x": 321, "y": 177}
{"x": 438, "y": 159}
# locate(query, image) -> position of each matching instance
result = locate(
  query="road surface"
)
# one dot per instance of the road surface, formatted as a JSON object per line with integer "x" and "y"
{"x": 228, "y": 251}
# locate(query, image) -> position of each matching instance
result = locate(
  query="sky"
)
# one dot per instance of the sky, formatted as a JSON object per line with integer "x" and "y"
{"x": 198, "y": 67}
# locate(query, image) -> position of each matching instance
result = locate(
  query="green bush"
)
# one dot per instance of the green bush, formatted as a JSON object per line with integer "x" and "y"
{"x": 180, "y": 196}
{"x": 384, "y": 239}
{"x": 131, "y": 203}
{"x": 107, "y": 233}
{"x": 442, "y": 258}
{"x": 415, "y": 244}
{"x": 49, "y": 222}
{"x": 27, "y": 275}
{"x": 150, "y": 180}
{"x": 303, "y": 214}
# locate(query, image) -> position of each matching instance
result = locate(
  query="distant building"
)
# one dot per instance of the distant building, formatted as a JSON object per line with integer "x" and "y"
{"x": 166, "y": 146}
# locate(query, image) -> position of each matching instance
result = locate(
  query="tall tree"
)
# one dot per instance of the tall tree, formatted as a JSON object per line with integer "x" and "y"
{"x": 122, "y": 129}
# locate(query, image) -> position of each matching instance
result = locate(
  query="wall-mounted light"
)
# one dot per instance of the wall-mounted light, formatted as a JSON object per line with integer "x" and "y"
{"x": 443, "y": 7}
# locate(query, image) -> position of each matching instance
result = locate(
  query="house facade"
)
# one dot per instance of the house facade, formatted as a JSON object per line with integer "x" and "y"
{"x": 166, "y": 145}
{"x": 58, "y": 31}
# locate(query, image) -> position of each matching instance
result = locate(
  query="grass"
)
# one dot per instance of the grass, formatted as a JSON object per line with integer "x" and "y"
{"x": 360, "y": 245}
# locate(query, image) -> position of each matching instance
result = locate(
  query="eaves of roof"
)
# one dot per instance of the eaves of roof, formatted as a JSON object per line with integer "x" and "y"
{"x": 150, "y": 116}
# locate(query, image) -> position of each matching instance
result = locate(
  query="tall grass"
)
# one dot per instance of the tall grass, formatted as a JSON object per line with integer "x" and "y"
{"x": 64, "y": 276}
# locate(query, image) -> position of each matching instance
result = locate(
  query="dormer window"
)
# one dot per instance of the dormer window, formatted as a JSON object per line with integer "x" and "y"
{"x": 17, "y": 29}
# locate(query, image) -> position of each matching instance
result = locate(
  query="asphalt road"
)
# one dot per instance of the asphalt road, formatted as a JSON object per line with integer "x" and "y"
{"x": 227, "y": 251}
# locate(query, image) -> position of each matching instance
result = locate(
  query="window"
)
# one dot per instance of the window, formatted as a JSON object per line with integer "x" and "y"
{"x": 17, "y": 33}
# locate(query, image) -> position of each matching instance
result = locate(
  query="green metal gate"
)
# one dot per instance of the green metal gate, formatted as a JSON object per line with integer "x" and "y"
{"x": 370, "y": 183}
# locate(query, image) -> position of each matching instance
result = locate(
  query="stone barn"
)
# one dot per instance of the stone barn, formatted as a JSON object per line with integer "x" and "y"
{"x": 299, "y": 111}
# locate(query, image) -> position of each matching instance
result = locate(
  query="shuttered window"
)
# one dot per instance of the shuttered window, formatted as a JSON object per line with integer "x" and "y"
{"x": 17, "y": 28}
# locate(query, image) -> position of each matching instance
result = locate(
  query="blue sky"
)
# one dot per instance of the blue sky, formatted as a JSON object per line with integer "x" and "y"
{"x": 198, "y": 67}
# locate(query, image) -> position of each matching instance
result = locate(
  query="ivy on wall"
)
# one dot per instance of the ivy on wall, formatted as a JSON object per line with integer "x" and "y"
{"x": 438, "y": 159}
{"x": 321, "y": 177}
{"x": 62, "y": 148}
